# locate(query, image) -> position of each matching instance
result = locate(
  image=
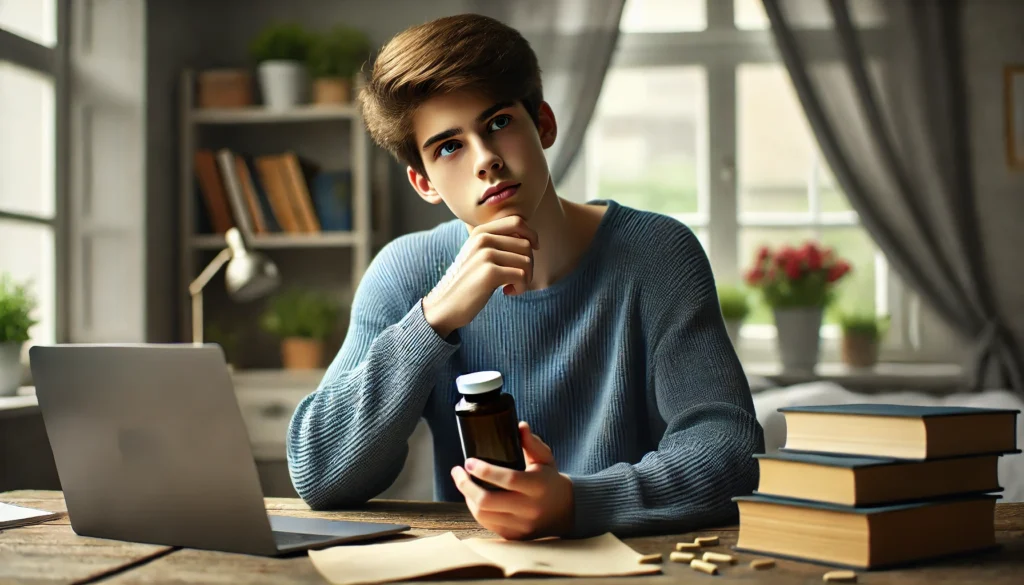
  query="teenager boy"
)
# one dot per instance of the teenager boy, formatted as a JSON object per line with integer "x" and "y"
{"x": 604, "y": 321}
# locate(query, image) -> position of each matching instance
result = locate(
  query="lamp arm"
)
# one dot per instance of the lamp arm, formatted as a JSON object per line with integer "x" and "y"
{"x": 211, "y": 269}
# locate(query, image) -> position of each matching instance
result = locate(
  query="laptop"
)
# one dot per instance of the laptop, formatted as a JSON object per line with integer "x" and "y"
{"x": 150, "y": 446}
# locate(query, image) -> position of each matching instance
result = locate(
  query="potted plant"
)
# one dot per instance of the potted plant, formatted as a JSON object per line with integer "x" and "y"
{"x": 302, "y": 319}
{"x": 334, "y": 59}
{"x": 735, "y": 307}
{"x": 280, "y": 52}
{"x": 862, "y": 335}
{"x": 16, "y": 306}
{"x": 798, "y": 284}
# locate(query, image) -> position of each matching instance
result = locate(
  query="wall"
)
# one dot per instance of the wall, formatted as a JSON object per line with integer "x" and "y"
{"x": 993, "y": 40}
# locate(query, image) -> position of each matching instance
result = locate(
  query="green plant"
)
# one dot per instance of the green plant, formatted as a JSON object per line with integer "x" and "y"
{"x": 864, "y": 323}
{"x": 281, "y": 41}
{"x": 16, "y": 306}
{"x": 301, "y": 313}
{"x": 339, "y": 52}
{"x": 734, "y": 302}
{"x": 797, "y": 277}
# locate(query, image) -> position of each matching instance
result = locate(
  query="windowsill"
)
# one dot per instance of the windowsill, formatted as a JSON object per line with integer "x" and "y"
{"x": 932, "y": 378}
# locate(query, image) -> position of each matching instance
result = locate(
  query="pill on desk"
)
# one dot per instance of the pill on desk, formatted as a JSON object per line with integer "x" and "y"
{"x": 687, "y": 546}
{"x": 703, "y": 567}
{"x": 713, "y": 557}
{"x": 761, "y": 564}
{"x": 707, "y": 540}
{"x": 650, "y": 559}
{"x": 840, "y": 577}
{"x": 681, "y": 557}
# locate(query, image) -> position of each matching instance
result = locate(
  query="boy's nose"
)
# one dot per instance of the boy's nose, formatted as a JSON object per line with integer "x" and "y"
{"x": 488, "y": 162}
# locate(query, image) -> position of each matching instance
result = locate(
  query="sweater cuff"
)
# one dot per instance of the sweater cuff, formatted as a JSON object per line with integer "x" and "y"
{"x": 422, "y": 341}
{"x": 595, "y": 503}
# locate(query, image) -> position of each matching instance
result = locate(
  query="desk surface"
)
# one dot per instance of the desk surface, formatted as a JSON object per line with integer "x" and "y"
{"x": 52, "y": 553}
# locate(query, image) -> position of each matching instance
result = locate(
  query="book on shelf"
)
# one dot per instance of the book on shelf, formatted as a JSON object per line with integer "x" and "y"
{"x": 233, "y": 188}
{"x": 211, "y": 187}
{"x": 296, "y": 173}
{"x": 900, "y": 431}
{"x": 866, "y": 481}
{"x": 866, "y": 537}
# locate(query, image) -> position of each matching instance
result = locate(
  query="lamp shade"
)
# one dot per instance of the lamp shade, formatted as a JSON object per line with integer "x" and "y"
{"x": 249, "y": 275}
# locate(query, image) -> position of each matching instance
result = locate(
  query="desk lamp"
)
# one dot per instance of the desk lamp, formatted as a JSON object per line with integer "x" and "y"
{"x": 249, "y": 276}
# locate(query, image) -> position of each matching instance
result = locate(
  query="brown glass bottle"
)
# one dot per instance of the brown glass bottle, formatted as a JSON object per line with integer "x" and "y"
{"x": 488, "y": 424}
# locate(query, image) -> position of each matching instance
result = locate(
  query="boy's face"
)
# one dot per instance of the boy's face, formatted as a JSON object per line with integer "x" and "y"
{"x": 484, "y": 160}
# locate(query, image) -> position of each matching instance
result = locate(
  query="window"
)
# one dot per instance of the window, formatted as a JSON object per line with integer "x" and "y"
{"x": 29, "y": 209}
{"x": 698, "y": 119}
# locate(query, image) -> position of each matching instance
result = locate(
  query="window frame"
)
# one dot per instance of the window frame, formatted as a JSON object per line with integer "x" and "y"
{"x": 720, "y": 49}
{"x": 51, "y": 62}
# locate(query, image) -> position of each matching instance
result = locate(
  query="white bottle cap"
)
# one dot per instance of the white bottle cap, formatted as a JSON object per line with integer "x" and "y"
{"x": 479, "y": 382}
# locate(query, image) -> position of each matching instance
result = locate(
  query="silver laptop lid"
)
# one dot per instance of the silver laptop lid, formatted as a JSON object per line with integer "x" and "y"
{"x": 150, "y": 445}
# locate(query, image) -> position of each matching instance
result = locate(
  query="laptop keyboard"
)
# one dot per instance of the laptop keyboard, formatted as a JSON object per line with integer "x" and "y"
{"x": 289, "y": 539}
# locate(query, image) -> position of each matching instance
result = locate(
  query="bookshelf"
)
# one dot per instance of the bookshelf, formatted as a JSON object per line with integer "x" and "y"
{"x": 331, "y": 136}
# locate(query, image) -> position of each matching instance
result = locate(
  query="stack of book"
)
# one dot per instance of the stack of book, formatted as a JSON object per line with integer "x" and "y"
{"x": 878, "y": 485}
{"x": 270, "y": 193}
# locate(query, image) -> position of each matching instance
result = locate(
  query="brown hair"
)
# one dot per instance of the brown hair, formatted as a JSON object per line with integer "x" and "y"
{"x": 454, "y": 53}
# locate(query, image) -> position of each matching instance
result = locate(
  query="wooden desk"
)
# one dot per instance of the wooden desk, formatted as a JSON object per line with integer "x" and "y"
{"x": 52, "y": 553}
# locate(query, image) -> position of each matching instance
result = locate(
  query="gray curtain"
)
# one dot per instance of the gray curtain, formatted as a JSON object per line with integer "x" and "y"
{"x": 883, "y": 88}
{"x": 574, "y": 41}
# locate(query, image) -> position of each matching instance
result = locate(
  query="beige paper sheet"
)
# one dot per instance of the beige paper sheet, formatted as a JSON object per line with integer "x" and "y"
{"x": 600, "y": 556}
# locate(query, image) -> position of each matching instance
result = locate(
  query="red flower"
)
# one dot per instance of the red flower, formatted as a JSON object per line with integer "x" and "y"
{"x": 754, "y": 276}
{"x": 838, "y": 271}
{"x": 813, "y": 255}
{"x": 762, "y": 253}
{"x": 793, "y": 269}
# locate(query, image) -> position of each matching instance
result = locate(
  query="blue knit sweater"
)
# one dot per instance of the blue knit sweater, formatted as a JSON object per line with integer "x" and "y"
{"x": 623, "y": 367}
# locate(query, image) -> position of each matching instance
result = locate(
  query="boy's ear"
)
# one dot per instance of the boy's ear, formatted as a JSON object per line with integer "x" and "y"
{"x": 546, "y": 125}
{"x": 421, "y": 183}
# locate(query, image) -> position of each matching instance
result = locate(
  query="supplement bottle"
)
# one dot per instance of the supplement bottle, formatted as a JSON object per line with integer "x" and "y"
{"x": 488, "y": 424}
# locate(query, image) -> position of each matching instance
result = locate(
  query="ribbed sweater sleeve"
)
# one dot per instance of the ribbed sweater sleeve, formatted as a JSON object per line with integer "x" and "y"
{"x": 704, "y": 457}
{"x": 347, "y": 441}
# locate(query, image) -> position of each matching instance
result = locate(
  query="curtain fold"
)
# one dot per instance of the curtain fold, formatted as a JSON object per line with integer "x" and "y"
{"x": 574, "y": 41}
{"x": 885, "y": 96}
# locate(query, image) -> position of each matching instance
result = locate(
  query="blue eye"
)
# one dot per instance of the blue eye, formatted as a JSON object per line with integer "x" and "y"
{"x": 500, "y": 122}
{"x": 448, "y": 148}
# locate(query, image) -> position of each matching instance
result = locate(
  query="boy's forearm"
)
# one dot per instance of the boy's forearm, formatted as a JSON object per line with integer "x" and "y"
{"x": 688, "y": 482}
{"x": 347, "y": 441}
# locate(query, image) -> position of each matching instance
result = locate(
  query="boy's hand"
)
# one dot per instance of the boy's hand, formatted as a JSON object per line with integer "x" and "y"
{"x": 539, "y": 501}
{"x": 497, "y": 254}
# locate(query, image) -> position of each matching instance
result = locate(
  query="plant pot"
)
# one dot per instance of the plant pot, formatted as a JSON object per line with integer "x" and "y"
{"x": 332, "y": 90}
{"x": 224, "y": 88}
{"x": 10, "y": 367}
{"x": 300, "y": 353}
{"x": 284, "y": 84}
{"x": 732, "y": 326}
{"x": 859, "y": 350}
{"x": 798, "y": 337}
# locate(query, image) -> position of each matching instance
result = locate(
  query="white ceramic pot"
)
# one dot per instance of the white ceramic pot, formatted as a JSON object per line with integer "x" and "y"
{"x": 733, "y": 327}
{"x": 10, "y": 367}
{"x": 284, "y": 84}
{"x": 798, "y": 337}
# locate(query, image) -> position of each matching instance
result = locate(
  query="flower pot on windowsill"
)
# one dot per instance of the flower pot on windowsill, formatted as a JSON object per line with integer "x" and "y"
{"x": 10, "y": 367}
{"x": 301, "y": 353}
{"x": 798, "y": 337}
{"x": 332, "y": 91}
{"x": 859, "y": 350}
